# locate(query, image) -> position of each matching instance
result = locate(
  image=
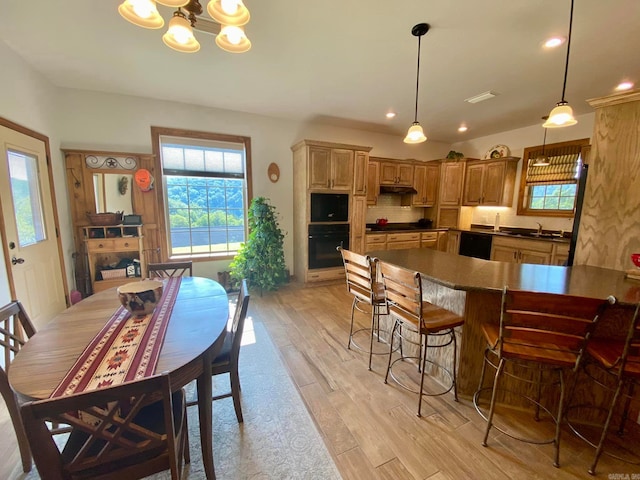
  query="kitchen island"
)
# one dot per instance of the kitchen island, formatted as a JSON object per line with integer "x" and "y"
{"x": 472, "y": 288}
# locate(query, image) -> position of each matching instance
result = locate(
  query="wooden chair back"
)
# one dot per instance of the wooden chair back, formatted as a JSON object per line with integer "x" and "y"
{"x": 237, "y": 324}
{"x": 360, "y": 274}
{"x": 546, "y": 327}
{"x": 130, "y": 430}
{"x": 403, "y": 291}
{"x": 15, "y": 329}
{"x": 170, "y": 269}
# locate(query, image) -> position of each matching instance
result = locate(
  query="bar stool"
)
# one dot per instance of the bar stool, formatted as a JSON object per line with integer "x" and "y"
{"x": 619, "y": 362}
{"x": 403, "y": 293}
{"x": 543, "y": 333}
{"x": 361, "y": 283}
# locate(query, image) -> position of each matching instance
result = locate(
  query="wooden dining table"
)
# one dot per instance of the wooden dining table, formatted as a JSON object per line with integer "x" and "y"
{"x": 195, "y": 334}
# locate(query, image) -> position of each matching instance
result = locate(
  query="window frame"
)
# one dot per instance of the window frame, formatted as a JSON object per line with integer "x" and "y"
{"x": 523, "y": 209}
{"x": 156, "y": 133}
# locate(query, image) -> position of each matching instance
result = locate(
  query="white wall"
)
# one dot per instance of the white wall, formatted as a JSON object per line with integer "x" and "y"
{"x": 517, "y": 140}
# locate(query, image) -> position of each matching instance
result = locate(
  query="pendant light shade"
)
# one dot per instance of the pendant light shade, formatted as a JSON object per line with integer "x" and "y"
{"x": 173, "y": 3}
{"x": 232, "y": 39}
{"x": 562, "y": 114}
{"x": 143, "y": 13}
{"x": 415, "y": 133}
{"x": 229, "y": 12}
{"x": 542, "y": 160}
{"x": 179, "y": 36}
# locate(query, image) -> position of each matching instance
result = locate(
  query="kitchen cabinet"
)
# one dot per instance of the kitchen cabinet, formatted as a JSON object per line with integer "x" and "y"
{"x": 517, "y": 250}
{"x": 399, "y": 241}
{"x": 453, "y": 241}
{"x": 429, "y": 240}
{"x": 560, "y": 254}
{"x": 358, "y": 224}
{"x": 425, "y": 181}
{"x": 451, "y": 183}
{"x": 330, "y": 168}
{"x": 375, "y": 241}
{"x": 106, "y": 246}
{"x": 360, "y": 179}
{"x": 373, "y": 182}
{"x": 490, "y": 183}
{"x": 393, "y": 172}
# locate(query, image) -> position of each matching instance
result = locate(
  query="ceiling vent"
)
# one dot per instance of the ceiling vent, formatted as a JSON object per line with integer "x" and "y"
{"x": 481, "y": 97}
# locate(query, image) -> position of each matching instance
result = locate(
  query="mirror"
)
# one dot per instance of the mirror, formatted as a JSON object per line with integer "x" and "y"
{"x": 112, "y": 192}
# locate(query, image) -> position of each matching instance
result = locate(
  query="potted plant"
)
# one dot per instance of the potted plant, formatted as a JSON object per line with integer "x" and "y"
{"x": 261, "y": 258}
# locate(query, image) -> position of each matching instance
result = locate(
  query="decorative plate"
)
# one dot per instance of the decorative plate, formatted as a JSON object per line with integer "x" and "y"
{"x": 497, "y": 151}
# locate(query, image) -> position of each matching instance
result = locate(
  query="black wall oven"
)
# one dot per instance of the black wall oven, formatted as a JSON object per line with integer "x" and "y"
{"x": 323, "y": 243}
{"x": 329, "y": 207}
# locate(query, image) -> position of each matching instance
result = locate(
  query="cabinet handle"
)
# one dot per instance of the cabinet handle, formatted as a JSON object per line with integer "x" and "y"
{"x": 515, "y": 255}
{"x": 100, "y": 245}
{"x": 126, "y": 244}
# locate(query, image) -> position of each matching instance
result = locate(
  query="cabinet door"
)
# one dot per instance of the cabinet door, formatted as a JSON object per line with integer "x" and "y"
{"x": 453, "y": 242}
{"x": 319, "y": 167}
{"x": 493, "y": 183}
{"x": 451, "y": 184}
{"x": 341, "y": 169}
{"x": 405, "y": 174}
{"x": 504, "y": 254}
{"x": 420, "y": 184}
{"x": 473, "y": 185}
{"x": 431, "y": 189}
{"x": 388, "y": 173}
{"x": 360, "y": 173}
{"x": 358, "y": 224}
{"x": 373, "y": 182}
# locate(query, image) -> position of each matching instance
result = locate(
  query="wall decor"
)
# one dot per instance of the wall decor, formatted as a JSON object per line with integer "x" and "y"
{"x": 273, "y": 172}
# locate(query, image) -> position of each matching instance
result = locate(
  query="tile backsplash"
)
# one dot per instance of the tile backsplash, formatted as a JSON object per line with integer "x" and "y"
{"x": 389, "y": 207}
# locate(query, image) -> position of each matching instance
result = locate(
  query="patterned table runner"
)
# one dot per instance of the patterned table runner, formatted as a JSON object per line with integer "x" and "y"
{"x": 127, "y": 348}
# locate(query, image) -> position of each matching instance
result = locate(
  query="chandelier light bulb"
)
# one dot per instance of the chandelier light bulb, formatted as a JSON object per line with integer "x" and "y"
{"x": 234, "y": 34}
{"x": 143, "y": 8}
{"x": 233, "y": 39}
{"x": 179, "y": 35}
{"x": 173, "y": 3}
{"x": 229, "y": 12}
{"x": 230, "y": 7}
{"x": 143, "y": 13}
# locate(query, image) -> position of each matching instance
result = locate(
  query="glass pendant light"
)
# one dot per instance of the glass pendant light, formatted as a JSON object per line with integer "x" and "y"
{"x": 229, "y": 12}
{"x": 173, "y": 3}
{"x": 562, "y": 114}
{"x": 415, "y": 133}
{"x": 179, "y": 35}
{"x": 143, "y": 13}
{"x": 541, "y": 159}
{"x": 233, "y": 39}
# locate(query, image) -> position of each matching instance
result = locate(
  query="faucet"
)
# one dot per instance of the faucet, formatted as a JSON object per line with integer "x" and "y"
{"x": 539, "y": 228}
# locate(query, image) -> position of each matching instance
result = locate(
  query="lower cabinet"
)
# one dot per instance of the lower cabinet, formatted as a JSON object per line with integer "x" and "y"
{"x": 453, "y": 241}
{"x": 402, "y": 240}
{"x": 518, "y": 250}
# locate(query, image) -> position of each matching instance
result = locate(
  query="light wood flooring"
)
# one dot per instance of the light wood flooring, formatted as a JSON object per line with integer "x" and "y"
{"x": 371, "y": 429}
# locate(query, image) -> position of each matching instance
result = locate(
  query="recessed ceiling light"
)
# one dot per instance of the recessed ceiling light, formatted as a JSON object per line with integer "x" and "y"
{"x": 391, "y": 114}
{"x": 554, "y": 42}
{"x": 481, "y": 97}
{"x": 625, "y": 86}
{"x": 462, "y": 128}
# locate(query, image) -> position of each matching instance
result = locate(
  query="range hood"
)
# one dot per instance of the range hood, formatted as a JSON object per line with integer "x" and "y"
{"x": 397, "y": 190}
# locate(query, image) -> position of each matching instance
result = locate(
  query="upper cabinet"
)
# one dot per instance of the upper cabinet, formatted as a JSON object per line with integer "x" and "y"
{"x": 373, "y": 182}
{"x": 490, "y": 182}
{"x": 425, "y": 181}
{"x": 393, "y": 172}
{"x": 451, "y": 183}
{"x": 360, "y": 180}
{"x": 330, "y": 168}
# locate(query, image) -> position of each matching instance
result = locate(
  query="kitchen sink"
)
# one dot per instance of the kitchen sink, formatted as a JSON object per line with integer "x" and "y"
{"x": 521, "y": 233}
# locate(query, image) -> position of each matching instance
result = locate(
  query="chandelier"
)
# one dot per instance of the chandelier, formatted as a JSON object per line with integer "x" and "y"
{"x": 230, "y": 16}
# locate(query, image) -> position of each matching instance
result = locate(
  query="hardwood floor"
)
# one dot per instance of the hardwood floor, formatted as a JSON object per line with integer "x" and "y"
{"x": 371, "y": 429}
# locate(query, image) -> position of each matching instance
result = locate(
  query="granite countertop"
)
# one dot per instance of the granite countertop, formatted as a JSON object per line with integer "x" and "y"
{"x": 516, "y": 232}
{"x": 400, "y": 228}
{"x": 466, "y": 273}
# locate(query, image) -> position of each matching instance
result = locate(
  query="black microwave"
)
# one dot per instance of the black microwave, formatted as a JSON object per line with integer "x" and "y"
{"x": 329, "y": 207}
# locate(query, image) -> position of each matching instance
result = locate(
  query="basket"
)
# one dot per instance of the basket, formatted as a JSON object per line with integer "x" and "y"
{"x": 114, "y": 273}
{"x": 105, "y": 218}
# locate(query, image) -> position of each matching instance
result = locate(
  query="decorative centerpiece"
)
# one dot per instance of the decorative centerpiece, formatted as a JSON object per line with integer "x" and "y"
{"x": 140, "y": 298}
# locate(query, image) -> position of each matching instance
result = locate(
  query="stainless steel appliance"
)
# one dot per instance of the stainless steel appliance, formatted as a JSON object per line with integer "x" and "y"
{"x": 329, "y": 207}
{"x": 323, "y": 243}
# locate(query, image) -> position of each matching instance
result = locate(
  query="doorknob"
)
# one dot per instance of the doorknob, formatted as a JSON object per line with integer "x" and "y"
{"x": 16, "y": 261}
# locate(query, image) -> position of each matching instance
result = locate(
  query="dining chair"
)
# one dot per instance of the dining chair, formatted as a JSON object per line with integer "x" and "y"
{"x": 130, "y": 430}
{"x": 619, "y": 360}
{"x": 15, "y": 329}
{"x": 227, "y": 360}
{"x": 416, "y": 317}
{"x": 361, "y": 283}
{"x": 170, "y": 269}
{"x": 544, "y": 335}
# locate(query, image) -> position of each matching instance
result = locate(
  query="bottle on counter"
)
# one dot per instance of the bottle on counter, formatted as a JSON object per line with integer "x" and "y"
{"x": 496, "y": 225}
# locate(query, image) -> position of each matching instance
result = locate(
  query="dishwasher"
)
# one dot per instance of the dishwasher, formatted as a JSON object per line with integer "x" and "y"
{"x": 476, "y": 245}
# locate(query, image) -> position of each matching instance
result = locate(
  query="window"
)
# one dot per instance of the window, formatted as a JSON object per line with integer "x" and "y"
{"x": 551, "y": 189}
{"x": 204, "y": 190}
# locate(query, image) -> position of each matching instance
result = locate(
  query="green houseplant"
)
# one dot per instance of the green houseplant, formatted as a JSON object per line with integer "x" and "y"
{"x": 261, "y": 258}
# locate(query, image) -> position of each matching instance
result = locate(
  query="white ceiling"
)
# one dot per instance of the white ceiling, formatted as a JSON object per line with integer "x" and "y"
{"x": 347, "y": 62}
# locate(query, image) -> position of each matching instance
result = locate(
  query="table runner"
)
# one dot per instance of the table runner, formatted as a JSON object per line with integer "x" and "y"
{"x": 127, "y": 348}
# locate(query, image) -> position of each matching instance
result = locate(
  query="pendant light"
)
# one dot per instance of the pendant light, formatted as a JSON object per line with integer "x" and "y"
{"x": 229, "y": 12}
{"x": 562, "y": 114}
{"x": 415, "y": 133}
{"x": 541, "y": 159}
{"x": 142, "y": 13}
{"x": 179, "y": 35}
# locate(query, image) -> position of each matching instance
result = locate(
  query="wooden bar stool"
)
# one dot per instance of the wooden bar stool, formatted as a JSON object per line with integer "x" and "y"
{"x": 618, "y": 361}
{"x": 361, "y": 283}
{"x": 543, "y": 333}
{"x": 403, "y": 293}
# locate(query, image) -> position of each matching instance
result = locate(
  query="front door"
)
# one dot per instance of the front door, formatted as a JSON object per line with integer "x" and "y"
{"x": 30, "y": 243}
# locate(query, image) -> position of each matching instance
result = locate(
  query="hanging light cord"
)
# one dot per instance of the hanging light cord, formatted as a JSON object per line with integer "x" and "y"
{"x": 544, "y": 140}
{"x": 566, "y": 66}
{"x": 415, "y": 118}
